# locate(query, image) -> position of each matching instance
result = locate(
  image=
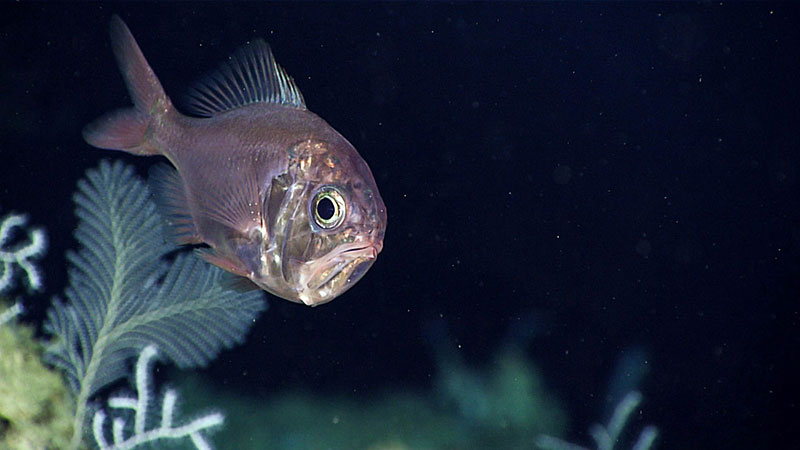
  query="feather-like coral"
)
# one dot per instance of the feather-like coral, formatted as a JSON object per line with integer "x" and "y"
{"x": 124, "y": 295}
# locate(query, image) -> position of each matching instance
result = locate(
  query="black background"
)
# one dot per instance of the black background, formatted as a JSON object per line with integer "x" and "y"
{"x": 621, "y": 175}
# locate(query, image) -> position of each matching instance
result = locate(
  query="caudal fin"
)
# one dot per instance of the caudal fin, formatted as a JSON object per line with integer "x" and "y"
{"x": 127, "y": 129}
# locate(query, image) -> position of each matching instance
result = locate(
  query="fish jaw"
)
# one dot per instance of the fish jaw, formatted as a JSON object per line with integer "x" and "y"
{"x": 323, "y": 279}
{"x": 314, "y": 282}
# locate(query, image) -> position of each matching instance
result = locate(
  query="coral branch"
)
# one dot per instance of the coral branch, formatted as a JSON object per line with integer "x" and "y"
{"x": 608, "y": 437}
{"x": 20, "y": 255}
{"x": 9, "y": 314}
{"x": 139, "y": 405}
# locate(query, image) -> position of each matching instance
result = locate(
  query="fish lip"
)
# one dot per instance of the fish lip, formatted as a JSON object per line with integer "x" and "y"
{"x": 368, "y": 251}
{"x": 359, "y": 249}
{"x": 343, "y": 256}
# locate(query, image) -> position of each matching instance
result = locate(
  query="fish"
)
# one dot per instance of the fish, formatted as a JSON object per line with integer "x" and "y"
{"x": 271, "y": 192}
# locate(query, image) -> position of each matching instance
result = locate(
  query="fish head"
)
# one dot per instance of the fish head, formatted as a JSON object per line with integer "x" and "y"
{"x": 329, "y": 221}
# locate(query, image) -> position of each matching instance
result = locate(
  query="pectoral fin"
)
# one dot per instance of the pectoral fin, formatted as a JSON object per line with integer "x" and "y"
{"x": 170, "y": 196}
{"x": 223, "y": 262}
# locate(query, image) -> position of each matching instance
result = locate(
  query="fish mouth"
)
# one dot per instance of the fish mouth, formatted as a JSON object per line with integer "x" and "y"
{"x": 324, "y": 279}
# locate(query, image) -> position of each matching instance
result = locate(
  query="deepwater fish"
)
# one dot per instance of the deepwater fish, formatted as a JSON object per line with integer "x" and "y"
{"x": 280, "y": 198}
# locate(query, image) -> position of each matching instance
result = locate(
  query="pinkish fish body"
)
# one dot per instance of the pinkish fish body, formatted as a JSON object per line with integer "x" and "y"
{"x": 278, "y": 195}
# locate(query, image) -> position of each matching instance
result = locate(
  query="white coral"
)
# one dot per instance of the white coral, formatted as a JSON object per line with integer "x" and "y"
{"x": 139, "y": 404}
{"x": 20, "y": 255}
{"x": 9, "y": 314}
{"x": 606, "y": 437}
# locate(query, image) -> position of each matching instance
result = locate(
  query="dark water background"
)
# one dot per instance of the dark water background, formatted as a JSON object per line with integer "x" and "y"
{"x": 612, "y": 178}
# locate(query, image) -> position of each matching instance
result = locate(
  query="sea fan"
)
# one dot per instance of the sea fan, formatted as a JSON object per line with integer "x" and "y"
{"x": 124, "y": 295}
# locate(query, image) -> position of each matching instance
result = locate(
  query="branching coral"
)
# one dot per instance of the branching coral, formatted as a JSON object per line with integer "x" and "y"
{"x": 140, "y": 405}
{"x": 21, "y": 254}
{"x": 607, "y": 437}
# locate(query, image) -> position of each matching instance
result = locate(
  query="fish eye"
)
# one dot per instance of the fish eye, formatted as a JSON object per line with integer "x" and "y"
{"x": 328, "y": 208}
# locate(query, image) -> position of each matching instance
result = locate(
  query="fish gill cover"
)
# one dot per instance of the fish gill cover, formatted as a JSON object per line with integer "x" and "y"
{"x": 124, "y": 295}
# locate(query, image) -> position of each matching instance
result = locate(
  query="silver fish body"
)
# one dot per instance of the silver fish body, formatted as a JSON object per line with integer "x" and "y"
{"x": 279, "y": 196}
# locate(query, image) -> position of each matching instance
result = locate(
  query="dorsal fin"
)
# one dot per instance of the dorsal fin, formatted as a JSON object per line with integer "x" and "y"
{"x": 250, "y": 75}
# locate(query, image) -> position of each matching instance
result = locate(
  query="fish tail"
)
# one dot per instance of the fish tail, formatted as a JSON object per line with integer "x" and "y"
{"x": 133, "y": 130}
